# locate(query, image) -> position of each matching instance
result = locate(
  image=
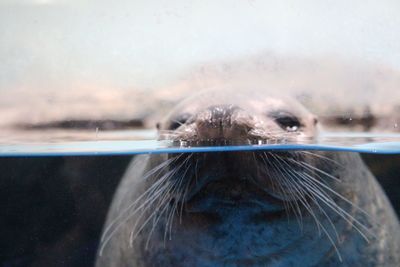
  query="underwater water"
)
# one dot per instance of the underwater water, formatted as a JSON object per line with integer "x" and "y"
{"x": 55, "y": 195}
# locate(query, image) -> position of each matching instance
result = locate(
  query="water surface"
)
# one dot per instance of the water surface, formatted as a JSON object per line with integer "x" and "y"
{"x": 132, "y": 142}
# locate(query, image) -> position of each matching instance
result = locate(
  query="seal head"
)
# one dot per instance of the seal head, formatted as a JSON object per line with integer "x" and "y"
{"x": 253, "y": 208}
{"x": 223, "y": 117}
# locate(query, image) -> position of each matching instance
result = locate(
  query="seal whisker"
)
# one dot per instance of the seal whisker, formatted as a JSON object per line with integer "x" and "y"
{"x": 342, "y": 214}
{"x": 111, "y": 231}
{"x": 289, "y": 184}
{"x": 321, "y": 194}
{"x": 132, "y": 205}
{"x": 169, "y": 223}
{"x": 304, "y": 192}
{"x": 185, "y": 192}
{"x": 337, "y": 194}
{"x": 154, "y": 171}
{"x": 170, "y": 191}
{"x": 296, "y": 194}
{"x": 276, "y": 187}
{"x": 313, "y": 191}
{"x": 313, "y": 168}
{"x": 155, "y": 220}
{"x": 178, "y": 122}
{"x": 308, "y": 208}
{"x": 311, "y": 195}
{"x": 154, "y": 195}
{"x": 293, "y": 204}
{"x": 304, "y": 188}
{"x": 165, "y": 198}
{"x": 155, "y": 214}
{"x": 170, "y": 131}
{"x": 335, "y": 162}
{"x": 170, "y": 220}
{"x": 151, "y": 191}
{"x": 320, "y": 226}
{"x": 172, "y": 211}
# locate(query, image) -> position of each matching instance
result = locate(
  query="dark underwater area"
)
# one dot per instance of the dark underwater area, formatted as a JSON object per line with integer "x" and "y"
{"x": 53, "y": 208}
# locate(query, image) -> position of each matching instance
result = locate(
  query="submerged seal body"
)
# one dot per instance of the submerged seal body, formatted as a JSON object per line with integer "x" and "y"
{"x": 249, "y": 208}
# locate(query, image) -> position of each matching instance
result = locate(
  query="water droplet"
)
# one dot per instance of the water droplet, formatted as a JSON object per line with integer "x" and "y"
{"x": 350, "y": 119}
{"x": 183, "y": 143}
{"x": 395, "y": 125}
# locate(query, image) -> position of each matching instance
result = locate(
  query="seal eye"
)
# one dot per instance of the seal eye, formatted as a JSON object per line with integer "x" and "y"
{"x": 179, "y": 120}
{"x": 286, "y": 121}
{"x": 290, "y": 124}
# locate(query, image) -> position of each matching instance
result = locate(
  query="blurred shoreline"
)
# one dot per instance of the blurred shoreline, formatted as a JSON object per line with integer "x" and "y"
{"x": 346, "y": 94}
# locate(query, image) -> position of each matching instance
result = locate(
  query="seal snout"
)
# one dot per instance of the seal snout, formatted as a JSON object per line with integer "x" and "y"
{"x": 229, "y": 180}
{"x": 222, "y": 122}
{"x": 226, "y": 125}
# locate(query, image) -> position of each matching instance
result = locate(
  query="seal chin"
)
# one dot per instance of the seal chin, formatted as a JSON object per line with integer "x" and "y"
{"x": 223, "y": 183}
{"x": 216, "y": 198}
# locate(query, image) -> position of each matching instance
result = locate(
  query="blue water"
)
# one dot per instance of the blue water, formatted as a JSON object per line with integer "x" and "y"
{"x": 118, "y": 144}
{"x": 47, "y": 195}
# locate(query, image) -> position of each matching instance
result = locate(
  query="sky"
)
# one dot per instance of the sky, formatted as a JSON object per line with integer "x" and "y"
{"x": 60, "y": 44}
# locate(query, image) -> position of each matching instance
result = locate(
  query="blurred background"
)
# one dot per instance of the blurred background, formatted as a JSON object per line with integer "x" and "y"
{"x": 131, "y": 60}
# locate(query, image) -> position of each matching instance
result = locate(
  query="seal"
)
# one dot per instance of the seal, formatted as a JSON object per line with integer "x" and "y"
{"x": 248, "y": 208}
